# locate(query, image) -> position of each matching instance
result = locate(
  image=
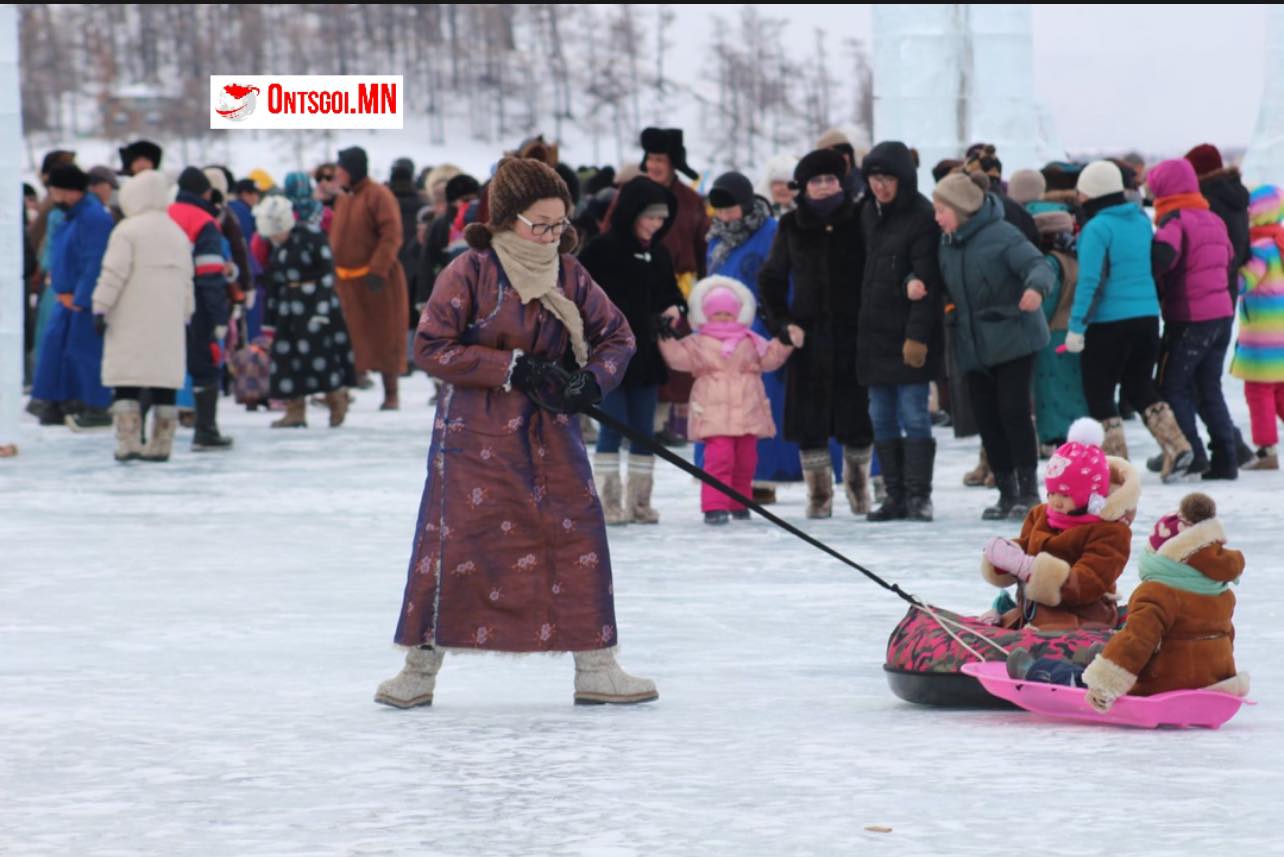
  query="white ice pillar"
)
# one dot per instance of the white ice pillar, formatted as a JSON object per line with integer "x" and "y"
{"x": 947, "y": 76}
{"x": 1002, "y": 109}
{"x": 1264, "y": 161}
{"x": 11, "y": 287}
{"x": 921, "y": 80}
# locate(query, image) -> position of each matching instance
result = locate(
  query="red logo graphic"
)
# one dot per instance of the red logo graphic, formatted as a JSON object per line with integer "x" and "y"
{"x": 237, "y": 102}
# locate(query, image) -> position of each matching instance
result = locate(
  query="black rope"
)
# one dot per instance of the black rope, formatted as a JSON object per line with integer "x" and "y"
{"x": 682, "y": 464}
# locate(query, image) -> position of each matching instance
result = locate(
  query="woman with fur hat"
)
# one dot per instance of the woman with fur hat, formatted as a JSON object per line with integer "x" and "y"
{"x": 1114, "y": 321}
{"x": 1072, "y": 548}
{"x": 510, "y": 551}
{"x": 811, "y": 293}
{"x": 1179, "y": 634}
{"x": 729, "y": 406}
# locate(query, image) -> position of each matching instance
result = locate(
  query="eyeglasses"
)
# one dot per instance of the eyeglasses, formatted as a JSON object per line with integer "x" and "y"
{"x": 882, "y": 180}
{"x": 539, "y": 230}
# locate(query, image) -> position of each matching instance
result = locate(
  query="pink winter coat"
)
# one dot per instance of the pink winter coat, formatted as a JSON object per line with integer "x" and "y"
{"x": 728, "y": 399}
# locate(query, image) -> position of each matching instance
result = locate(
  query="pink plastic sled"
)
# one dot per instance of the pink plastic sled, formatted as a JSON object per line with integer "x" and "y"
{"x": 1180, "y": 708}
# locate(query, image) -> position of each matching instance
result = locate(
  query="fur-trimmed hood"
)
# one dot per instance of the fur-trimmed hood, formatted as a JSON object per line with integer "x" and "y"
{"x": 748, "y": 305}
{"x": 1125, "y": 491}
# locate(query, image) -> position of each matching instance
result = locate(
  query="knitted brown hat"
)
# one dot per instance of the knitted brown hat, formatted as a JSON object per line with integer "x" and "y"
{"x": 960, "y": 193}
{"x": 518, "y": 184}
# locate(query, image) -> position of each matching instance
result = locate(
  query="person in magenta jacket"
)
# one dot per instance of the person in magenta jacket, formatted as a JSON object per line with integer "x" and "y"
{"x": 1190, "y": 255}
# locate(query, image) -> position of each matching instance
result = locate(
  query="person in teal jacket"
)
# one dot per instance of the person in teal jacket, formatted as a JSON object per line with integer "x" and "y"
{"x": 1114, "y": 323}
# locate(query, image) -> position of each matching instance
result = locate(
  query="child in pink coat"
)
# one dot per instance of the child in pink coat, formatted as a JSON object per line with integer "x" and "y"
{"x": 729, "y": 405}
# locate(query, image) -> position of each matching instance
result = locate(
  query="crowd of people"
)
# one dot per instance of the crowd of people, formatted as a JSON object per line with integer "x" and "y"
{"x": 1002, "y": 308}
{"x": 816, "y": 327}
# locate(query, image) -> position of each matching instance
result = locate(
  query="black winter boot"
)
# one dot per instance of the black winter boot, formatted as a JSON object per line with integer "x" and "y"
{"x": 207, "y": 437}
{"x": 920, "y": 457}
{"x": 1027, "y": 492}
{"x": 1006, "y": 482}
{"x": 891, "y": 462}
{"x": 1224, "y": 463}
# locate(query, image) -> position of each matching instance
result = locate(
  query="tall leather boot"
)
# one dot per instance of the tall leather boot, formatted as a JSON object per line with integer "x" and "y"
{"x": 207, "y": 437}
{"x": 1027, "y": 493}
{"x": 920, "y": 461}
{"x": 891, "y": 460}
{"x": 1006, "y": 482}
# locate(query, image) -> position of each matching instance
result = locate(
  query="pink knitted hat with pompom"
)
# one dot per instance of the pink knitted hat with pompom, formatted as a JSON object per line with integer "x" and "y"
{"x": 1079, "y": 469}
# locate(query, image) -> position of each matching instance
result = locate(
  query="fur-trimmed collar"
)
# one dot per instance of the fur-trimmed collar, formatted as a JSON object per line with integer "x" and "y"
{"x": 1193, "y": 539}
{"x": 1225, "y": 172}
{"x": 1125, "y": 492}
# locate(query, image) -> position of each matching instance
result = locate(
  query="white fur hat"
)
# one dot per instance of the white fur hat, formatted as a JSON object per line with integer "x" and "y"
{"x": 748, "y": 305}
{"x": 274, "y": 215}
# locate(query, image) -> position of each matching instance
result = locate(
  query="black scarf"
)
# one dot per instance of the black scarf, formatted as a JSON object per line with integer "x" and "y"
{"x": 731, "y": 234}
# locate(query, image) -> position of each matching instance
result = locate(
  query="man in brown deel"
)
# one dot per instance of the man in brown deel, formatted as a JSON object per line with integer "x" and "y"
{"x": 365, "y": 238}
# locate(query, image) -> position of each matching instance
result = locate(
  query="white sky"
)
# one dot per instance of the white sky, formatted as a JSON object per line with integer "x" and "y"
{"x": 1155, "y": 78}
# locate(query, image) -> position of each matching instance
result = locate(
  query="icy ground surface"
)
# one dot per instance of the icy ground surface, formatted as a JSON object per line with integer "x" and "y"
{"x": 188, "y": 654}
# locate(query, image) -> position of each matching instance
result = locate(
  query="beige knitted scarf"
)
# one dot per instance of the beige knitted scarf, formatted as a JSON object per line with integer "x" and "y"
{"x": 533, "y": 270}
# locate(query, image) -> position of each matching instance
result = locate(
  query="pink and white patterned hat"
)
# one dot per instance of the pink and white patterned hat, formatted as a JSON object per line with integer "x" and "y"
{"x": 1079, "y": 469}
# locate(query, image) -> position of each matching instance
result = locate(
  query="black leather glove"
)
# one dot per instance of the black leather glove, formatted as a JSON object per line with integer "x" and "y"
{"x": 666, "y": 328}
{"x": 100, "y": 324}
{"x": 531, "y": 375}
{"x": 581, "y": 392}
{"x": 376, "y": 283}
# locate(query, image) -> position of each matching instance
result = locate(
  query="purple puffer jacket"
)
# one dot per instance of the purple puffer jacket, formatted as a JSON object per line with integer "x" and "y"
{"x": 1193, "y": 285}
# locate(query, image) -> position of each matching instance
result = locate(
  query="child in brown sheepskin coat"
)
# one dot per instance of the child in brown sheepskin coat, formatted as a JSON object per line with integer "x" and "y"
{"x": 1072, "y": 548}
{"x": 1179, "y": 633}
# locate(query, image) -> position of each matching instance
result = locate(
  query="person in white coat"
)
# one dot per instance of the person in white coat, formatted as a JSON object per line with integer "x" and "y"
{"x": 143, "y": 301}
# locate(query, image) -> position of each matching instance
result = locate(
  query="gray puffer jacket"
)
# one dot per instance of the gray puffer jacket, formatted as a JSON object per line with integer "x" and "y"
{"x": 987, "y": 264}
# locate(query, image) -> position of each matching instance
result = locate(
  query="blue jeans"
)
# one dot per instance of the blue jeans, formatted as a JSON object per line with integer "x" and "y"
{"x": 633, "y": 406}
{"x": 1051, "y": 671}
{"x": 1190, "y": 380}
{"x": 896, "y": 406}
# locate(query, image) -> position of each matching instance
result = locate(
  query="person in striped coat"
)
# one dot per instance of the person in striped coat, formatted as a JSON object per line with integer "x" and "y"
{"x": 1259, "y": 349}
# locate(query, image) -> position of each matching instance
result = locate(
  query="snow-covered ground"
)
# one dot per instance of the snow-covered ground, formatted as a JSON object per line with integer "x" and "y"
{"x": 188, "y": 654}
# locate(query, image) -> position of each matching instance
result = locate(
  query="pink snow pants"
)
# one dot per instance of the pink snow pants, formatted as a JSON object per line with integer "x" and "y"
{"x": 1265, "y": 405}
{"x": 732, "y": 460}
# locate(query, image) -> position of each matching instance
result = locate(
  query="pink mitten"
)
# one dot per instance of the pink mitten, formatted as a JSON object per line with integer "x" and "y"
{"x": 1009, "y": 557}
